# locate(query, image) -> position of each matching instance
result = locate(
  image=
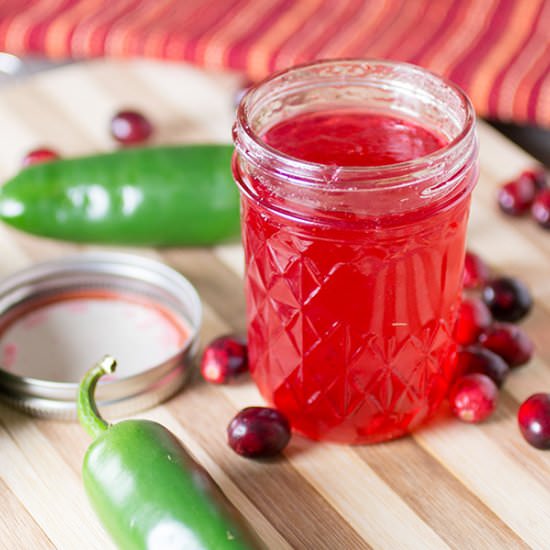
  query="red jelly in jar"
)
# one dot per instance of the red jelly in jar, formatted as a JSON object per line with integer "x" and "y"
{"x": 355, "y": 179}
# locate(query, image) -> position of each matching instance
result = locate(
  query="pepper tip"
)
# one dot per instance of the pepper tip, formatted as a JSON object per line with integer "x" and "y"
{"x": 108, "y": 364}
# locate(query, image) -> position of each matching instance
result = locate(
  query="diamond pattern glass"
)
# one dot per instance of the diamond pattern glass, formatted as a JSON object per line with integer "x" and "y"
{"x": 351, "y": 336}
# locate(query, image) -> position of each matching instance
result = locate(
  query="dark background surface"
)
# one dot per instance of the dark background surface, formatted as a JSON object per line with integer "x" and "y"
{"x": 535, "y": 141}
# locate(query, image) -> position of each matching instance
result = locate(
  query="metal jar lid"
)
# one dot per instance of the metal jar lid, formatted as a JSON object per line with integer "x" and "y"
{"x": 69, "y": 305}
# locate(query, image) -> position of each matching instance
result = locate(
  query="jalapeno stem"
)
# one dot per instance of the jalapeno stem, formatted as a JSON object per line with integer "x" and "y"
{"x": 88, "y": 415}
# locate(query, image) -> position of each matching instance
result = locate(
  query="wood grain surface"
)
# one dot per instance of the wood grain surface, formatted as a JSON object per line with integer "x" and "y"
{"x": 451, "y": 485}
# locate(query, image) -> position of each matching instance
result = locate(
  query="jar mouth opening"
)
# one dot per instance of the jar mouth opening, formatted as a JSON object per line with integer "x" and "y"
{"x": 311, "y": 173}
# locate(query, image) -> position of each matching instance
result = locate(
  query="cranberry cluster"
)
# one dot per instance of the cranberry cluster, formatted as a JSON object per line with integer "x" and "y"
{"x": 528, "y": 192}
{"x": 254, "y": 432}
{"x": 490, "y": 347}
{"x": 127, "y": 127}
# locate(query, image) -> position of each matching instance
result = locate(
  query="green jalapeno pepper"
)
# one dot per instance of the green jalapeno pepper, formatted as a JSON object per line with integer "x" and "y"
{"x": 145, "y": 488}
{"x": 155, "y": 196}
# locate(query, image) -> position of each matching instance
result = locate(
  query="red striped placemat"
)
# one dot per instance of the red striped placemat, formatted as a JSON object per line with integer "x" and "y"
{"x": 497, "y": 50}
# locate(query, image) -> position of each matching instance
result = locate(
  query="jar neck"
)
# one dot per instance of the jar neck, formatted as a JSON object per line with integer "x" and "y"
{"x": 380, "y": 87}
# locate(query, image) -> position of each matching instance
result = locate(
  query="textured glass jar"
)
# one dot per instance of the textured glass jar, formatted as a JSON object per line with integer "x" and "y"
{"x": 354, "y": 273}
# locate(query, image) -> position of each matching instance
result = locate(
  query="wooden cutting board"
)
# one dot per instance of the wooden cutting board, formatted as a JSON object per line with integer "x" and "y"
{"x": 450, "y": 486}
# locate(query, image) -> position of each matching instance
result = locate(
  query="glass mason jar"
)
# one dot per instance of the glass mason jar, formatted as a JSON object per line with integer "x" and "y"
{"x": 354, "y": 273}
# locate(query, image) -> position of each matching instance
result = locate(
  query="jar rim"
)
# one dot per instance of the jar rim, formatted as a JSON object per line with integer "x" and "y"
{"x": 310, "y": 169}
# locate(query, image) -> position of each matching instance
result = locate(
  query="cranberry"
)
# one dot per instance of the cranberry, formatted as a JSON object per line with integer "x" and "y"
{"x": 38, "y": 156}
{"x": 538, "y": 176}
{"x": 473, "y": 397}
{"x": 515, "y": 197}
{"x": 483, "y": 361}
{"x": 541, "y": 209}
{"x": 473, "y": 317}
{"x": 129, "y": 127}
{"x": 508, "y": 299}
{"x": 258, "y": 432}
{"x": 476, "y": 272}
{"x": 224, "y": 359}
{"x": 534, "y": 420}
{"x": 508, "y": 341}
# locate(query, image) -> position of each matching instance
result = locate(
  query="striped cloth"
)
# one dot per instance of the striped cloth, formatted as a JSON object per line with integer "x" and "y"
{"x": 497, "y": 50}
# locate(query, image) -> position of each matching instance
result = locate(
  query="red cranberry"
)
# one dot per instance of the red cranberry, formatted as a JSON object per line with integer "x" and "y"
{"x": 515, "y": 197}
{"x": 541, "y": 209}
{"x": 508, "y": 341}
{"x": 129, "y": 127}
{"x": 38, "y": 156}
{"x": 473, "y": 318}
{"x": 224, "y": 359}
{"x": 483, "y": 361}
{"x": 534, "y": 420}
{"x": 473, "y": 397}
{"x": 476, "y": 272}
{"x": 258, "y": 432}
{"x": 538, "y": 176}
{"x": 508, "y": 299}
